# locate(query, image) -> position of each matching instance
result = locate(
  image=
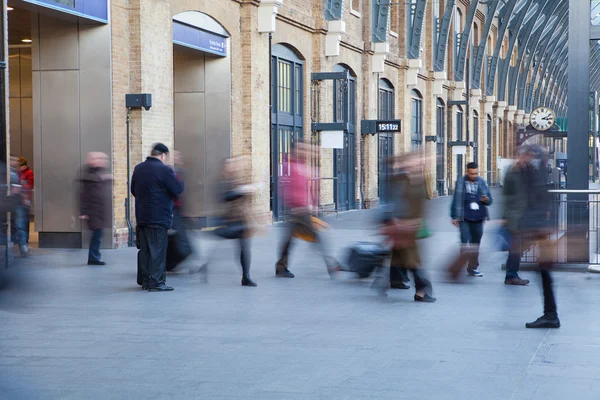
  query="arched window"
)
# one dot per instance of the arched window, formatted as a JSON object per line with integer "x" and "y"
{"x": 385, "y": 148}
{"x": 287, "y": 116}
{"x": 440, "y": 117}
{"x": 386, "y": 99}
{"x": 459, "y": 137}
{"x": 344, "y": 159}
{"x": 416, "y": 120}
{"x": 459, "y": 123}
{"x": 475, "y": 136}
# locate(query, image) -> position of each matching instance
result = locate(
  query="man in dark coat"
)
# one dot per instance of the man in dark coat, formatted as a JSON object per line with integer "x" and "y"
{"x": 95, "y": 201}
{"x": 154, "y": 186}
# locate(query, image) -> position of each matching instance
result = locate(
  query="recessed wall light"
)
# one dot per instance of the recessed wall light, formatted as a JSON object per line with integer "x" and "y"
{"x": 26, "y": 40}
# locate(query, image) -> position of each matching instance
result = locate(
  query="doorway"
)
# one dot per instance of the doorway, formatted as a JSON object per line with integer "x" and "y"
{"x": 344, "y": 159}
{"x": 287, "y": 79}
{"x": 385, "y": 140}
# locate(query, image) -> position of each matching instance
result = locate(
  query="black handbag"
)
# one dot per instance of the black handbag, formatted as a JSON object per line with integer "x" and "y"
{"x": 231, "y": 230}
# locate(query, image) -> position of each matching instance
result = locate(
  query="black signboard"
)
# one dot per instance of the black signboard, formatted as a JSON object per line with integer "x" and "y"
{"x": 388, "y": 126}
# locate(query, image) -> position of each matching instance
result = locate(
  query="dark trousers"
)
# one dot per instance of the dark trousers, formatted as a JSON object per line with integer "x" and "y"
{"x": 514, "y": 257}
{"x": 95, "y": 242}
{"x": 153, "y": 255}
{"x": 548, "y": 291}
{"x": 245, "y": 256}
{"x": 398, "y": 275}
{"x": 471, "y": 233}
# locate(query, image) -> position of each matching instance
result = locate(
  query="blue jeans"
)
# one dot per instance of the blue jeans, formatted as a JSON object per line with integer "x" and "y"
{"x": 94, "y": 253}
{"x": 471, "y": 233}
{"x": 21, "y": 223}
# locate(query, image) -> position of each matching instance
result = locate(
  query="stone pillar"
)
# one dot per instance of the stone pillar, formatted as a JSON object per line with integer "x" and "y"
{"x": 254, "y": 139}
{"x": 142, "y": 62}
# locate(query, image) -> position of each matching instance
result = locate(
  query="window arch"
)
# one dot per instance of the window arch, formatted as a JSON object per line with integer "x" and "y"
{"x": 287, "y": 97}
{"x": 459, "y": 123}
{"x": 416, "y": 119}
{"x": 386, "y": 99}
{"x": 385, "y": 147}
{"x": 440, "y": 144}
{"x": 476, "y": 136}
{"x": 344, "y": 159}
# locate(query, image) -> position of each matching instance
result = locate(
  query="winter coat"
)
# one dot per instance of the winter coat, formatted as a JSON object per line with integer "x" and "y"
{"x": 95, "y": 197}
{"x": 154, "y": 186}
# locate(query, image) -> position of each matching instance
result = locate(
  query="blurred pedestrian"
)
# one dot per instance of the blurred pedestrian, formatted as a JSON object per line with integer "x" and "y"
{"x": 468, "y": 211}
{"x": 96, "y": 201}
{"x": 20, "y": 216}
{"x": 408, "y": 192}
{"x": 518, "y": 203}
{"x": 300, "y": 205}
{"x": 179, "y": 248}
{"x": 237, "y": 221}
{"x": 154, "y": 186}
{"x": 537, "y": 229}
{"x": 27, "y": 184}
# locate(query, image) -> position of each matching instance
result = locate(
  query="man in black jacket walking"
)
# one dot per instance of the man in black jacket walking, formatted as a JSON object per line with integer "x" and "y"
{"x": 154, "y": 187}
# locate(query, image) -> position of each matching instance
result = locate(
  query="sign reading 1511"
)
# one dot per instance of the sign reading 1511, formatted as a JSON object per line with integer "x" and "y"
{"x": 388, "y": 126}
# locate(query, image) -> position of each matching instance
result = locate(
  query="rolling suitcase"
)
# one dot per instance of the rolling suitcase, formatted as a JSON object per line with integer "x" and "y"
{"x": 365, "y": 257}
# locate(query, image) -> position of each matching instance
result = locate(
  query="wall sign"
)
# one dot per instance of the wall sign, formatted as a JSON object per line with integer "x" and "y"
{"x": 192, "y": 37}
{"x": 91, "y": 9}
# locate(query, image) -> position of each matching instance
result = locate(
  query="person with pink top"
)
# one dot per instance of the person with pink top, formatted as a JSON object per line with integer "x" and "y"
{"x": 298, "y": 202}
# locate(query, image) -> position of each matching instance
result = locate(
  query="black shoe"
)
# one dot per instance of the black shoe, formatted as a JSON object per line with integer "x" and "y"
{"x": 544, "y": 322}
{"x": 425, "y": 299}
{"x": 144, "y": 287}
{"x": 92, "y": 262}
{"x": 248, "y": 282}
{"x": 284, "y": 273}
{"x": 400, "y": 285}
{"x": 161, "y": 288}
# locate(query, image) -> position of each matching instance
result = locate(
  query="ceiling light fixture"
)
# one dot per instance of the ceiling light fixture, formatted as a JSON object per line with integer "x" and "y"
{"x": 26, "y": 40}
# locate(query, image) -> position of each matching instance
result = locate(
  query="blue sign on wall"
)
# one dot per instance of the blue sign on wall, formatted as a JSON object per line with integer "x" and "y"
{"x": 92, "y": 9}
{"x": 189, "y": 36}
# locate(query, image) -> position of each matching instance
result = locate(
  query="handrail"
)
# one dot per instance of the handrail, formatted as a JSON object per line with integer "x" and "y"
{"x": 574, "y": 191}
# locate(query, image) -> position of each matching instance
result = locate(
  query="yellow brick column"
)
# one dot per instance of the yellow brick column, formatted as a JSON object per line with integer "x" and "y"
{"x": 254, "y": 140}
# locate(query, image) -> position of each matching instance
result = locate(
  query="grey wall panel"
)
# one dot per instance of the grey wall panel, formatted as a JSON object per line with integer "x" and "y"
{"x": 25, "y": 73}
{"x": 95, "y": 90}
{"x": 15, "y": 125}
{"x": 218, "y": 125}
{"x": 59, "y": 44}
{"x": 60, "y": 151}
{"x": 27, "y": 130}
{"x": 218, "y": 140}
{"x": 95, "y": 100}
{"x": 188, "y": 70}
{"x": 190, "y": 137}
{"x": 14, "y": 73}
{"x": 35, "y": 44}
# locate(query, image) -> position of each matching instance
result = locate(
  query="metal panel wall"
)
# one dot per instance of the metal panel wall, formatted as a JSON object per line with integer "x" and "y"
{"x": 60, "y": 150}
{"x": 72, "y": 115}
{"x": 202, "y": 128}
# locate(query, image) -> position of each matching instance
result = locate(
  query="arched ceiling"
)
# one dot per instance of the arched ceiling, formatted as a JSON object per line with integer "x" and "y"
{"x": 526, "y": 68}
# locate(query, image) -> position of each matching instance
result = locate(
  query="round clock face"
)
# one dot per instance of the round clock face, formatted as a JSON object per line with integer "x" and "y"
{"x": 542, "y": 118}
